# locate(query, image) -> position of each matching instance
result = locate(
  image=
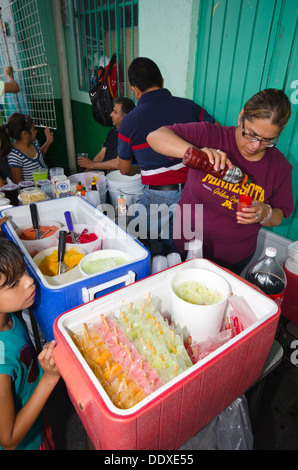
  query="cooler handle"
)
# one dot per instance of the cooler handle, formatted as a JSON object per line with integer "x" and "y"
{"x": 89, "y": 293}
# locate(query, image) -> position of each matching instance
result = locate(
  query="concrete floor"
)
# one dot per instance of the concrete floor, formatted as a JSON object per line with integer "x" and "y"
{"x": 274, "y": 428}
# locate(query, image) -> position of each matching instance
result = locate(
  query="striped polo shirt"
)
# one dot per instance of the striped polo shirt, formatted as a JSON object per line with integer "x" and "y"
{"x": 17, "y": 159}
{"x": 156, "y": 109}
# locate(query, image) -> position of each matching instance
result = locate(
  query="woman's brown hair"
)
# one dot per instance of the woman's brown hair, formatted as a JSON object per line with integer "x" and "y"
{"x": 270, "y": 104}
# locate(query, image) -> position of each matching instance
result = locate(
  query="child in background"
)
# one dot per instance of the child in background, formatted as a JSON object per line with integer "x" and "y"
{"x": 24, "y": 155}
{"x": 25, "y": 382}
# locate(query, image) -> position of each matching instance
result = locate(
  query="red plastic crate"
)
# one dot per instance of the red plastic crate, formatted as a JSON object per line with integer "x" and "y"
{"x": 183, "y": 406}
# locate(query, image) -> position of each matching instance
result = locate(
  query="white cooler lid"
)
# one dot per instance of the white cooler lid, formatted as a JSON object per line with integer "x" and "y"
{"x": 293, "y": 251}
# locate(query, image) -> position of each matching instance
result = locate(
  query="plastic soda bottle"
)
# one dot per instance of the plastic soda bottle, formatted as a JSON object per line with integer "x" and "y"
{"x": 268, "y": 275}
{"x": 196, "y": 158}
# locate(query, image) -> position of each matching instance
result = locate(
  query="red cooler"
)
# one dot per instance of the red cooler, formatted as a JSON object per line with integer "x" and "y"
{"x": 171, "y": 415}
{"x": 290, "y": 301}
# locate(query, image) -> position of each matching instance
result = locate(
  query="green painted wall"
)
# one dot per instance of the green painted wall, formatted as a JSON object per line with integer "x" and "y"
{"x": 57, "y": 153}
{"x": 89, "y": 135}
{"x": 245, "y": 46}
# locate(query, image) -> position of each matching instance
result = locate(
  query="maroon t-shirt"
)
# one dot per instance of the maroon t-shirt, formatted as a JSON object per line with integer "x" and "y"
{"x": 224, "y": 240}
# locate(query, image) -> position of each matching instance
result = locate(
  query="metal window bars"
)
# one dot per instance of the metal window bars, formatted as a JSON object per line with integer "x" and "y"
{"x": 103, "y": 27}
{"x": 22, "y": 47}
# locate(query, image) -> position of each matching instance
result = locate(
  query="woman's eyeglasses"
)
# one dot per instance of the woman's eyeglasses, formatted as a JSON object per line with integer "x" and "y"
{"x": 265, "y": 142}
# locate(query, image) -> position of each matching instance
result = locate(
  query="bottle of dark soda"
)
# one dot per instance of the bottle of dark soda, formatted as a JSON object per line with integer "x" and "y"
{"x": 268, "y": 275}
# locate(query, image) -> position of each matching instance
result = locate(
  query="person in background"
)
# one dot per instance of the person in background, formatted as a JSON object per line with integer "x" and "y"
{"x": 230, "y": 237}
{"x": 24, "y": 155}
{"x": 164, "y": 178}
{"x": 26, "y": 381}
{"x": 107, "y": 158}
{"x": 7, "y": 86}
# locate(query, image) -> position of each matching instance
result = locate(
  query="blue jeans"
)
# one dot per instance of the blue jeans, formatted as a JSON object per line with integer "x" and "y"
{"x": 160, "y": 211}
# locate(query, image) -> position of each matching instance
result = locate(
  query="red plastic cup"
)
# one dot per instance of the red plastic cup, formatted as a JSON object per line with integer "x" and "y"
{"x": 244, "y": 201}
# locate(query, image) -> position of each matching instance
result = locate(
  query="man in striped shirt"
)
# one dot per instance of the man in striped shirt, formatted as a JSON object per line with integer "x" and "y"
{"x": 164, "y": 177}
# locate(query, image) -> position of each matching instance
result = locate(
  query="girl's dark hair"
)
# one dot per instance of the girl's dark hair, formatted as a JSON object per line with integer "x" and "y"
{"x": 144, "y": 74}
{"x": 16, "y": 124}
{"x": 270, "y": 104}
{"x": 12, "y": 263}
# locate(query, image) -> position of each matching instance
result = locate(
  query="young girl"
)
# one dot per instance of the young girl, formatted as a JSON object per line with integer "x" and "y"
{"x": 24, "y": 155}
{"x": 25, "y": 383}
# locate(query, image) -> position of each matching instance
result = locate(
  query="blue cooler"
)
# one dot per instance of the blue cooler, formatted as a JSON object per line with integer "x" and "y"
{"x": 52, "y": 300}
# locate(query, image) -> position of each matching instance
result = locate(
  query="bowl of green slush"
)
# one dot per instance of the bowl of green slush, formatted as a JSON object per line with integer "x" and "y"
{"x": 103, "y": 260}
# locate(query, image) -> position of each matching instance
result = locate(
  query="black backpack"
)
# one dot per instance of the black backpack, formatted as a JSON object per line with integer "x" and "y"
{"x": 100, "y": 96}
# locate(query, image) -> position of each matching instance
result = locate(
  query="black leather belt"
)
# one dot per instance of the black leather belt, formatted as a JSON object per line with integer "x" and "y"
{"x": 167, "y": 187}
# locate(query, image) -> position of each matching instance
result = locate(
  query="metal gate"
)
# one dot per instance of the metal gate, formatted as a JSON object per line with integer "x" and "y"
{"x": 102, "y": 28}
{"x": 22, "y": 47}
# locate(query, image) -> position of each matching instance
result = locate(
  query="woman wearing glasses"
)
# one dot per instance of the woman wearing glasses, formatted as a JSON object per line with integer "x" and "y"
{"x": 230, "y": 237}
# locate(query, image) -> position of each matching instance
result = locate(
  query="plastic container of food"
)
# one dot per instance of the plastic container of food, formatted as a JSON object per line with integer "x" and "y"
{"x": 29, "y": 195}
{"x": 89, "y": 247}
{"x": 199, "y": 298}
{"x": 26, "y": 184}
{"x": 36, "y": 246}
{"x": 4, "y": 201}
{"x": 61, "y": 279}
{"x": 102, "y": 261}
{"x": 41, "y": 183}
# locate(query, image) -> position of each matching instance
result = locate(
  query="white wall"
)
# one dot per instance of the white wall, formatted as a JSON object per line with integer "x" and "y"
{"x": 168, "y": 35}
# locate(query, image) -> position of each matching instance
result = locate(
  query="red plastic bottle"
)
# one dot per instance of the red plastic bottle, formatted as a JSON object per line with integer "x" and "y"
{"x": 195, "y": 158}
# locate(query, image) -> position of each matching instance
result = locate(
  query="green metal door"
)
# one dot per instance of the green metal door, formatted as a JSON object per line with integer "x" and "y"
{"x": 245, "y": 46}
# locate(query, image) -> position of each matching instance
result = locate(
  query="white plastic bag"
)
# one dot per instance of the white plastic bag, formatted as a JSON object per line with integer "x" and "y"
{"x": 234, "y": 428}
